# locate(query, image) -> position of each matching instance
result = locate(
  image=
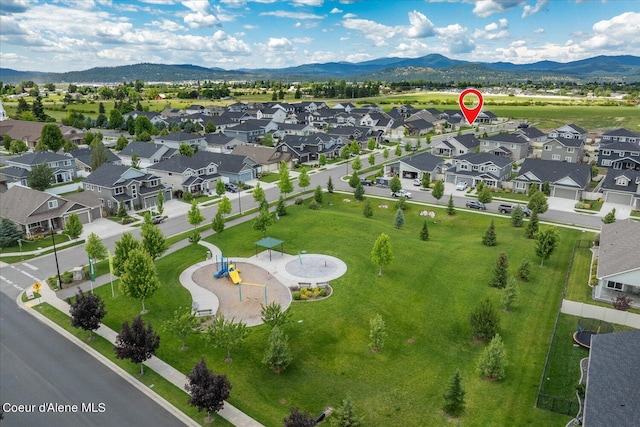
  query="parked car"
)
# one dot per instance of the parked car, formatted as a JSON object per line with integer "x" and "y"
{"x": 507, "y": 209}
{"x": 474, "y": 204}
{"x": 366, "y": 182}
{"x": 231, "y": 188}
{"x": 401, "y": 193}
{"x": 157, "y": 219}
{"x": 462, "y": 185}
{"x": 417, "y": 182}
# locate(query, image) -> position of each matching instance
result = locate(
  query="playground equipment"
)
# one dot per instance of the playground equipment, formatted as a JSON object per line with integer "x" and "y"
{"x": 234, "y": 274}
{"x": 589, "y": 327}
{"x": 228, "y": 269}
{"x": 252, "y": 284}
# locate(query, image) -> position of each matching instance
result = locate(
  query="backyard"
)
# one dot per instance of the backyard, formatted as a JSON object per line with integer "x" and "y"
{"x": 425, "y": 297}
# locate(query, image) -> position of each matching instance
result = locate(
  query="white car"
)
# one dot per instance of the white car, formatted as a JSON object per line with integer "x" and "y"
{"x": 402, "y": 193}
{"x": 462, "y": 185}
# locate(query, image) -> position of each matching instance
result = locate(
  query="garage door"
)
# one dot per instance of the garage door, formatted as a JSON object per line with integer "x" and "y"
{"x": 565, "y": 193}
{"x": 620, "y": 198}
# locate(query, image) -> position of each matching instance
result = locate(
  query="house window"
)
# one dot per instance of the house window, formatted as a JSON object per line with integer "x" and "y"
{"x": 497, "y": 144}
{"x": 547, "y": 148}
{"x": 134, "y": 191}
{"x": 485, "y": 143}
{"x": 571, "y": 150}
{"x": 620, "y": 153}
{"x": 615, "y": 285}
{"x": 555, "y": 157}
{"x": 568, "y": 159}
{"x": 521, "y": 185}
{"x": 622, "y": 181}
{"x": 513, "y": 146}
{"x": 52, "y": 204}
{"x": 606, "y": 162}
{"x": 635, "y": 154}
{"x": 606, "y": 152}
{"x": 118, "y": 190}
{"x": 109, "y": 204}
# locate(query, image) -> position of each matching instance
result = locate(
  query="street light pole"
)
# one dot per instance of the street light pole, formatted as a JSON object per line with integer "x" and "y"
{"x": 55, "y": 254}
{"x": 239, "y": 202}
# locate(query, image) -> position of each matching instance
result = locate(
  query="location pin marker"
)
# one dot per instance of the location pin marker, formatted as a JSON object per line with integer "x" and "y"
{"x": 470, "y": 113}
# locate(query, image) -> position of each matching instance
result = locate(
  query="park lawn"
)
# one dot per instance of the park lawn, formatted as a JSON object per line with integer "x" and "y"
{"x": 425, "y": 295}
{"x": 160, "y": 385}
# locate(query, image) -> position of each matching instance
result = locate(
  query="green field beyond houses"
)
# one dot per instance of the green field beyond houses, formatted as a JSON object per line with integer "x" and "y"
{"x": 425, "y": 298}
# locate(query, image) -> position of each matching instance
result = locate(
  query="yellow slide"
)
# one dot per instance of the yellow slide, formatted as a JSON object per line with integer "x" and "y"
{"x": 234, "y": 274}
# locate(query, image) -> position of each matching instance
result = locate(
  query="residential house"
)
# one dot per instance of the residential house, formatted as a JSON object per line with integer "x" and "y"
{"x": 276, "y": 114}
{"x": 37, "y": 212}
{"x": 176, "y": 139}
{"x": 418, "y": 127}
{"x": 508, "y": 145}
{"x": 219, "y": 143}
{"x": 563, "y": 149}
{"x": 619, "y": 155}
{"x": 30, "y": 132}
{"x": 153, "y": 117}
{"x": 456, "y": 145}
{"x": 197, "y": 109}
{"x": 415, "y": 166}
{"x": 267, "y": 157}
{"x": 63, "y": 167}
{"x": 570, "y": 131}
{"x": 247, "y": 132}
{"x": 82, "y": 157}
{"x": 622, "y": 186}
{"x": 293, "y": 129}
{"x": 377, "y": 121}
{"x": 612, "y": 392}
{"x": 485, "y": 117}
{"x": 118, "y": 184}
{"x": 566, "y": 180}
{"x": 475, "y": 167}
{"x": 531, "y": 134}
{"x": 148, "y": 153}
{"x": 3, "y": 113}
{"x": 618, "y": 260}
{"x": 620, "y": 135}
{"x": 309, "y": 147}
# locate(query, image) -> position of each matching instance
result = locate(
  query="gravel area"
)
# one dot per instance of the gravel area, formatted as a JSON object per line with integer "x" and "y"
{"x": 247, "y": 310}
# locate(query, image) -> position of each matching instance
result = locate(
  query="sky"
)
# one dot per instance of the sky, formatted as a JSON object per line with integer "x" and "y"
{"x": 74, "y": 35}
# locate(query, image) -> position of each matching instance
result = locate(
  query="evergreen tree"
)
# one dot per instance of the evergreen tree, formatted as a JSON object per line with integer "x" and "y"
{"x": 317, "y": 195}
{"x": 489, "y": 238}
{"x": 546, "y": 188}
{"x": 226, "y": 334}
{"x": 500, "y": 272}
{"x": 277, "y": 355}
{"x": 99, "y": 154}
{"x": 377, "y": 333}
{"x": 139, "y": 279}
{"x": 493, "y": 360}
{"x": 354, "y": 179}
{"x": 87, "y": 311}
{"x": 510, "y": 293}
{"x": 153, "y": 240}
{"x": 451, "y": 210}
{"x": 208, "y": 391}
{"x": 345, "y": 416}
{"x": 9, "y": 233}
{"x": 136, "y": 342}
{"x": 517, "y": 216}
{"x": 382, "y": 254}
{"x": 367, "y": 210}
{"x": 217, "y": 223}
{"x": 532, "y": 189}
{"x": 532, "y": 226}
{"x": 123, "y": 247}
{"x": 329, "y": 186}
{"x": 485, "y": 321}
{"x": 524, "y": 271}
{"x": 546, "y": 243}
{"x": 398, "y": 221}
{"x": 438, "y": 190}
{"x": 38, "y": 109}
{"x": 358, "y": 193}
{"x": 610, "y": 218}
{"x": 183, "y": 323}
{"x": 424, "y": 232}
{"x": 281, "y": 207}
{"x": 273, "y": 315}
{"x": 40, "y": 177}
{"x": 454, "y": 396}
{"x": 73, "y": 227}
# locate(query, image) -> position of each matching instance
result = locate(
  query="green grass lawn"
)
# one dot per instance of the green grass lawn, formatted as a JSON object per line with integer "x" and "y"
{"x": 425, "y": 295}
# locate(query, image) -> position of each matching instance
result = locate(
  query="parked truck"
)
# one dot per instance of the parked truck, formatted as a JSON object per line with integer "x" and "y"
{"x": 508, "y": 208}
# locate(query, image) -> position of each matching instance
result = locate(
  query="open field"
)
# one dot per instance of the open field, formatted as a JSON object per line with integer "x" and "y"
{"x": 426, "y": 295}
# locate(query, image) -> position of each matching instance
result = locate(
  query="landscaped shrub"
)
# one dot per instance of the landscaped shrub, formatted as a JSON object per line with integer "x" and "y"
{"x": 187, "y": 196}
{"x": 297, "y": 295}
{"x": 66, "y": 277}
{"x": 314, "y": 205}
{"x": 298, "y": 201}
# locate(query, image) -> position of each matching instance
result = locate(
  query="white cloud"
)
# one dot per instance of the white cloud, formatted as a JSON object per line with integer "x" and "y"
{"x": 307, "y": 2}
{"x": 14, "y": 6}
{"x": 292, "y": 15}
{"x": 349, "y": 16}
{"x": 166, "y": 24}
{"x": 619, "y": 31}
{"x": 456, "y": 39}
{"x": 358, "y": 57}
{"x": 371, "y": 30}
{"x": 336, "y": 10}
{"x": 249, "y": 27}
{"x": 538, "y": 30}
{"x": 200, "y": 20}
{"x": 532, "y": 10}
{"x": 279, "y": 44}
{"x": 484, "y": 8}
{"x": 225, "y": 43}
{"x": 305, "y": 40}
{"x": 504, "y": 23}
{"x": 420, "y": 25}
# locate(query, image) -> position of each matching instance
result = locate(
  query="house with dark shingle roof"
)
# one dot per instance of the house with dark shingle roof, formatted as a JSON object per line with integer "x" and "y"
{"x": 508, "y": 145}
{"x": 571, "y": 131}
{"x": 620, "y": 135}
{"x": 82, "y": 157}
{"x": 247, "y": 132}
{"x": 306, "y": 148}
{"x": 563, "y": 150}
{"x": 219, "y": 143}
{"x": 622, "y": 186}
{"x": 176, "y": 139}
{"x": 148, "y": 153}
{"x": 267, "y": 157}
{"x": 532, "y": 134}
{"x": 118, "y": 184}
{"x": 475, "y": 167}
{"x": 612, "y": 392}
{"x": 456, "y": 145}
{"x": 619, "y": 155}
{"x": 415, "y": 166}
{"x": 566, "y": 180}
{"x": 63, "y": 167}
{"x": 30, "y": 132}
{"x": 37, "y": 212}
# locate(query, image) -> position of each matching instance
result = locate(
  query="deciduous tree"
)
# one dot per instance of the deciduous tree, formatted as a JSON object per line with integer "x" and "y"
{"x": 304, "y": 180}
{"x": 395, "y": 184}
{"x": 123, "y": 247}
{"x": 358, "y": 192}
{"x": 153, "y": 240}
{"x": 160, "y": 205}
{"x": 87, "y": 311}
{"x": 208, "y": 391}
{"x": 438, "y": 190}
{"x": 285, "y": 185}
{"x": 263, "y": 220}
{"x": 226, "y": 334}
{"x": 40, "y": 177}
{"x": 258, "y": 193}
{"x": 195, "y": 218}
{"x": 273, "y": 315}
{"x": 217, "y": 223}
{"x": 137, "y": 342}
{"x": 220, "y": 187}
{"x": 51, "y": 137}
{"x": 299, "y": 419}
{"x": 538, "y": 202}
{"x": 610, "y": 218}
{"x": 546, "y": 243}
{"x": 183, "y": 323}
{"x": 139, "y": 279}
{"x": 354, "y": 179}
{"x": 356, "y": 165}
{"x": 382, "y": 254}
{"x": 224, "y": 206}
{"x": 484, "y": 195}
{"x": 95, "y": 248}
{"x": 99, "y": 154}
{"x": 73, "y": 227}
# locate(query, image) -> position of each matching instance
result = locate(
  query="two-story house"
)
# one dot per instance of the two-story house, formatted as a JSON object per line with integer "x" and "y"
{"x": 563, "y": 150}
{"x": 306, "y": 148}
{"x": 475, "y": 167}
{"x": 415, "y": 166}
{"x": 570, "y": 131}
{"x": 511, "y": 146}
{"x": 176, "y": 139}
{"x": 267, "y": 157}
{"x": 620, "y": 135}
{"x": 63, "y": 167}
{"x": 82, "y": 157}
{"x": 456, "y": 145}
{"x": 118, "y": 184}
{"x": 531, "y": 134}
{"x": 622, "y": 186}
{"x": 619, "y": 155}
{"x": 566, "y": 180}
{"x": 148, "y": 153}
{"x": 247, "y": 132}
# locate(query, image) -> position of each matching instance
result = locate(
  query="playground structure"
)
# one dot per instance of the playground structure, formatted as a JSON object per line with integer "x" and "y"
{"x": 228, "y": 269}
{"x": 589, "y": 327}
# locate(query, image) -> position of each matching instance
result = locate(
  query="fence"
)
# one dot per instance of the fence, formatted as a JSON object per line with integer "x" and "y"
{"x": 557, "y": 404}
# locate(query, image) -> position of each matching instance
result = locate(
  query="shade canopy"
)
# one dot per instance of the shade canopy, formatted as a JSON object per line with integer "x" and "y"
{"x": 269, "y": 243}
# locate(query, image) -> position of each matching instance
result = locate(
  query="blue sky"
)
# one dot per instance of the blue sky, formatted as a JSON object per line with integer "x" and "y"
{"x": 68, "y": 35}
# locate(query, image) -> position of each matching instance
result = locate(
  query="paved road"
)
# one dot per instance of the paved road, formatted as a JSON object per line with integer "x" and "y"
{"x": 40, "y": 366}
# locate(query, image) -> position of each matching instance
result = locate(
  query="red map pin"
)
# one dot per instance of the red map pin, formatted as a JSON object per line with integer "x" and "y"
{"x": 470, "y": 113}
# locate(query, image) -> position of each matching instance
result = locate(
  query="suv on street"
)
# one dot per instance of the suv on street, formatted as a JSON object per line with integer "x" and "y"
{"x": 475, "y": 204}
{"x": 231, "y": 188}
{"x": 366, "y": 182}
{"x": 157, "y": 219}
{"x": 401, "y": 193}
{"x": 507, "y": 209}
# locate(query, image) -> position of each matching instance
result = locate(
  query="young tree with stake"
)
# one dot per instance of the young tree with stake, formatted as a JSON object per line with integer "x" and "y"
{"x": 137, "y": 342}
{"x": 87, "y": 311}
{"x": 208, "y": 391}
{"x": 183, "y": 324}
{"x": 382, "y": 254}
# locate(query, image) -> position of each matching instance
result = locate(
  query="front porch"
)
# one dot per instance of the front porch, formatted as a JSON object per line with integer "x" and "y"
{"x": 43, "y": 228}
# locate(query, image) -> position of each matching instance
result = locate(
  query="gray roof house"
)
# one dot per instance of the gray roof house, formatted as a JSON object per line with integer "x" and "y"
{"x": 175, "y": 140}
{"x": 148, "y": 152}
{"x": 612, "y": 393}
{"x": 622, "y": 187}
{"x": 116, "y": 184}
{"x": 37, "y": 212}
{"x": 247, "y": 132}
{"x": 475, "y": 167}
{"x": 220, "y": 143}
{"x": 532, "y": 134}
{"x": 309, "y": 148}
{"x": 508, "y": 145}
{"x": 82, "y": 157}
{"x": 566, "y": 180}
{"x": 563, "y": 149}
{"x": 456, "y": 145}
{"x": 618, "y": 260}
{"x": 64, "y": 168}
{"x": 620, "y": 135}
{"x": 267, "y": 157}
{"x": 415, "y": 166}
{"x": 570, "y": 131}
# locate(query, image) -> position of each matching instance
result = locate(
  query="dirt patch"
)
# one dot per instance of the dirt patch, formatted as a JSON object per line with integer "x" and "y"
{"x": 247, "y": 310}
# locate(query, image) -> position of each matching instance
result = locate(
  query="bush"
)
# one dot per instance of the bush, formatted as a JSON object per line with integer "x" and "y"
{"x": 187, "y": 196}
{"x": 587, "y": 206}
{"x": 298, "y": 201}
{"x": 66, "y": 277}
{"x": 323, "y": 292}
{"x": 314, "y": 205}
{"x": 296, "y": 295}
{"x": 579, "y": 205}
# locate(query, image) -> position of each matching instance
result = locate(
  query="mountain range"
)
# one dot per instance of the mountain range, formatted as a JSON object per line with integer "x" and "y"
{"x": 434, "y": 67}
